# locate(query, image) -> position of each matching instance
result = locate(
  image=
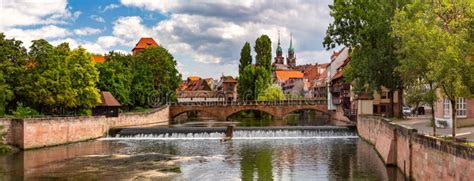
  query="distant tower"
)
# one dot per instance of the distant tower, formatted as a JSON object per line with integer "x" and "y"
{"x": 291, "y": 58}
{"x": 279, "y": 59}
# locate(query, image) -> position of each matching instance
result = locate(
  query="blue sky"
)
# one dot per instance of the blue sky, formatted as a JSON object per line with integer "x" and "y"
{"x": 204, "y": 36}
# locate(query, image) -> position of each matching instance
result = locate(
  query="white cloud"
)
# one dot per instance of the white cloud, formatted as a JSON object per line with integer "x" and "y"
{"x": 214, "y": 31}
{"x": 110, "y": 7}
{"x": 130, "y": 27}
{"x": 28, "y": 12}
{"x": 109, "y": 41}
{"x": 87, "y": 31}
{"x": 163, "y": 6}
{"x": 97, "y": 18}
{"x": 45, "y": 32}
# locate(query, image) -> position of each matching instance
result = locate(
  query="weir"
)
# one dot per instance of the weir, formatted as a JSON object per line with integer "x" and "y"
{"x": 239, "y": 133}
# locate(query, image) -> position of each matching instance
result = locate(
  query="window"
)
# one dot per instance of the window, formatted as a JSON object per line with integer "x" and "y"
{"x": 383, "y": 109}
{"x": 461, "y": 107}
{"x": 375, "y": 109}
{"x": 384, "y": 95}
{"x": 446, "y": 106}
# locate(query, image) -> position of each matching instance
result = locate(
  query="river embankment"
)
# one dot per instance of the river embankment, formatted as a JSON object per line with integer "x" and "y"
{"x": 418, "y": 156}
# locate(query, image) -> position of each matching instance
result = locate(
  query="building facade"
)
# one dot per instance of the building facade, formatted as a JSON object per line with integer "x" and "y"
{"x": 464, "y": 112}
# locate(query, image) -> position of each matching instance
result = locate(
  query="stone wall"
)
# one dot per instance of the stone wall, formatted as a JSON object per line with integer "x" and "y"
{"x": 50, "y": 131}
{"x": 418, "y": 156}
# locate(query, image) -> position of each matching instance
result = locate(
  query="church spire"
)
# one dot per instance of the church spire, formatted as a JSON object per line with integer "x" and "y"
{"x": 279, "y": 50}
{"x": 291, "y": 44}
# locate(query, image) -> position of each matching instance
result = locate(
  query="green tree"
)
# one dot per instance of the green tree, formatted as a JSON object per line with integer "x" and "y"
{"x": 162, "y": 65}
{"x": 272, "y": 93}
{"x": 116, "y": 76}
{"x": 13, "y": 58}
{"x": 437, "y": 38}
{"x": 246, "y": 87}
{"x": 143, "y": 89}
{"x": 365, "y": 27}
{"x": 245, "y": 57}
{"x": 84, "y": 77}
{"x": 263, "y": 68}
{"x": 263, "y": 79}
{"x": 263, "y": 50}
{"x": 48, "y": 83}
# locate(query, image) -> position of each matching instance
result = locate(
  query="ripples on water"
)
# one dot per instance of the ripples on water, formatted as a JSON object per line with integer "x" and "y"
{"x": 277, "y": 155}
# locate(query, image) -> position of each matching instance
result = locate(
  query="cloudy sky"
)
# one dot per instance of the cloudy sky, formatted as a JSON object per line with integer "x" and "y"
{"x": 204, "y": 36}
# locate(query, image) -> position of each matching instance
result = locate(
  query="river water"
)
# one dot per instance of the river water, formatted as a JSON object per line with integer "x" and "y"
{"x": 251, "y": 155}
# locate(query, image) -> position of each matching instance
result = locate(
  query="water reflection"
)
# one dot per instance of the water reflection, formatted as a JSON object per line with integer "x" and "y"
{"x": 280, "y": 159}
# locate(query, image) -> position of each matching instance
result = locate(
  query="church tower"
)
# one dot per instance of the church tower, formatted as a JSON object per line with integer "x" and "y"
{"x": 279, "y": 59}
{"x": 291, "y": 58}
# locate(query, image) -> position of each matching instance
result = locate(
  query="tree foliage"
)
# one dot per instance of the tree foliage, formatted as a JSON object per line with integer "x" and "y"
{"x": 116, "y": 75}
{"x": 254, "y": 80}
{"x": 364, "y": 26}
{"x": 436, "y": 43}
{"x": 84, "y": 77}
{"x": 13, "y": 58}
{"x": 272, "y": 93}
{"x": 263, "y": 79}
{"x": 157, "y": 66}
{"x": 245, "y": 57}
{"x": 263, "y": 50}
{"x": 246, "y": 88}
{"x": 58, "y": 80}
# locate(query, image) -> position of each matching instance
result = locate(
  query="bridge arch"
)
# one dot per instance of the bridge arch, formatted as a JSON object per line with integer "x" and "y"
{"x": 232, "y": 113}
{"x": 174, "y": 114}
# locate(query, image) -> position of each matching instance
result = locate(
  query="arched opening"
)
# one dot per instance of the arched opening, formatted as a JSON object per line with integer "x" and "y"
{"x": 251, "y": 118}
{"x": 192, "y": 118}
{"x": 306, "y": 117}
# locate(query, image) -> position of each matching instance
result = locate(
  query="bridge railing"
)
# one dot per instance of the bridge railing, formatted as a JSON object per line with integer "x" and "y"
{"x": 253, "y": 102}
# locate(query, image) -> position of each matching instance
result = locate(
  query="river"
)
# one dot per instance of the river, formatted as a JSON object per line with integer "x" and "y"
{"x": 251, "y": 155}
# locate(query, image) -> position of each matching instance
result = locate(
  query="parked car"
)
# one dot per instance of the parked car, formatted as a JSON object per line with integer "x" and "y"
{"x": 406, "y": 111}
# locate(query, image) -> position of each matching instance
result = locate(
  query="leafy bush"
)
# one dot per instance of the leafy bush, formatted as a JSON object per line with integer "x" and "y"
{"x": 22, "y": 111}
{"x": 85, "y": 112}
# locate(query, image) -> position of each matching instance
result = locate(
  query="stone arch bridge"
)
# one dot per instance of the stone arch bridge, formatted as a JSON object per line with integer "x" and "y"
{"x": 222, "y": 110}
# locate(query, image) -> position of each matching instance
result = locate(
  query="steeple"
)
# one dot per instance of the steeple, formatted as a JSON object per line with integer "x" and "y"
{"x": 279, "y": 47}
{"x": 291, "y": 50}
{"x": 279, "y": 59}
{"x": 291, "y": 58}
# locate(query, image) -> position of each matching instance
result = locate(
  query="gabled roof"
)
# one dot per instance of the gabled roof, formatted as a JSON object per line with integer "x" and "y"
{"x": 195, "y": 85}
{"x": 144, "y": 43}
{"x": 338, "y": 75}
{"x": 98, "y": 58}
{"x": 108, "y": 99}
{"x": 284, "y": 75}
{"x": 229, "y": 79}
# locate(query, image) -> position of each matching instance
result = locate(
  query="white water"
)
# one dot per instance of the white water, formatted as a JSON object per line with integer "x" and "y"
{"x": 242, "y": 135}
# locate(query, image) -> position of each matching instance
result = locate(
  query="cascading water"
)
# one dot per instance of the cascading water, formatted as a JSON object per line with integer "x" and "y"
{"x": 255, "y": 133}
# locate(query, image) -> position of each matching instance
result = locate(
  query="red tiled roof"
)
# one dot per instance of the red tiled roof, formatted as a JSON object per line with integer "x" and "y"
{"x": 98, "y": 58}
{"x": 284, "y": 75}
{"x": 338, "y": 75}
{"x": 323, "y": 75}
{"x": 108, "y": 99}
{"x": 144, "y": 43}
{"x": 196, "y": 85}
